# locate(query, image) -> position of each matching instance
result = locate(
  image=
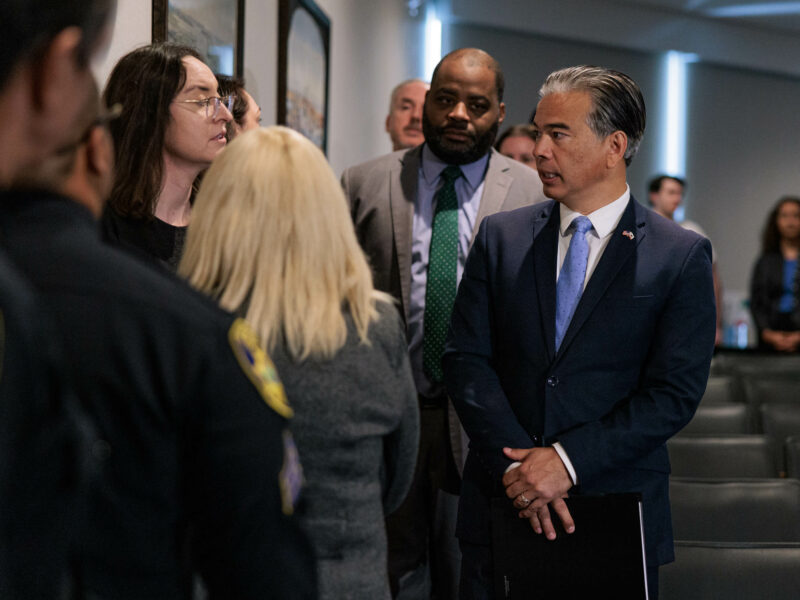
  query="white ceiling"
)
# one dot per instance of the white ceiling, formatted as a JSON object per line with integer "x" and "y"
{"x": 729, "y": 32}
{"x": 766, "y": 14}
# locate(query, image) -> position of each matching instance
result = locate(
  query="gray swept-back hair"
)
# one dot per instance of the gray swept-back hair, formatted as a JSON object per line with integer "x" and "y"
{"x": 617, "y": 102}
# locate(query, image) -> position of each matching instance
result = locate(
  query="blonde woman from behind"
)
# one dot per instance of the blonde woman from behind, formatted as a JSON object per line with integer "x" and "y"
{"x": 271, "y": 239}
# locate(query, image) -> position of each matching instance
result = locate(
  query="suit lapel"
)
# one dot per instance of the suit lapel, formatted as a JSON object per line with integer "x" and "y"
{"x": 545, "y": 245}
{"x": 619, "y": 249}
{"x": 402, "y": 190}
{"x": 495, "y": 189}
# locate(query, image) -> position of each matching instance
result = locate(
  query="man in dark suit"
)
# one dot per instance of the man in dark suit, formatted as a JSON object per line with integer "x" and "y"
{"x": 397, "y": 210}
{"x": 582, "y": 332}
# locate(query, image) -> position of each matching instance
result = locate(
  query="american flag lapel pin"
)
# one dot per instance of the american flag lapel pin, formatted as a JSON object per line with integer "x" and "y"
{"x": 628, "y": 234}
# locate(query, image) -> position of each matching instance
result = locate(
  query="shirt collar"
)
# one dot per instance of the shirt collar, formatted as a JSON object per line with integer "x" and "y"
{"x": 604, "y": 219}
{"x": 432, "y": 167}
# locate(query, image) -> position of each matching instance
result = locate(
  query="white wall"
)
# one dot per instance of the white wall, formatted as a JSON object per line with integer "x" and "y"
{"x": 643, "y": 26}
{"x": 743, "y": 152}
{"x": 132, "y": 28}
{"x": 374, "y": 45}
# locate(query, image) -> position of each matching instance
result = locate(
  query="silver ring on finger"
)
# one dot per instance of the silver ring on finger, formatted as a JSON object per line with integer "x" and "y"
{"x": 524, "y": 499}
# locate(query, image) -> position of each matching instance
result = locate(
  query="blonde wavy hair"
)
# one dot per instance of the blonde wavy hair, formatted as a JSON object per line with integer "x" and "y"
{"x": 271, "y": 238}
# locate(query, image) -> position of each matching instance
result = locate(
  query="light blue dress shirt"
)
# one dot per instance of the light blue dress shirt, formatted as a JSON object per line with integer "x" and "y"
{"x": 469, "y": 190}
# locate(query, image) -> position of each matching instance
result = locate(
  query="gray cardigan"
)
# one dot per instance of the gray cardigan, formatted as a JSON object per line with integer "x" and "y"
{"x": 356, "y": 426}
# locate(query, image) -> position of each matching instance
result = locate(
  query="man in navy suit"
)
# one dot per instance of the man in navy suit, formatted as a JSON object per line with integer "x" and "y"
{"x": 577, "y": 394}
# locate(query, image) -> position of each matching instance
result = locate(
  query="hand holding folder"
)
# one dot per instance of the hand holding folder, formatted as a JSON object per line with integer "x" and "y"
{"x": 603, "y": 558}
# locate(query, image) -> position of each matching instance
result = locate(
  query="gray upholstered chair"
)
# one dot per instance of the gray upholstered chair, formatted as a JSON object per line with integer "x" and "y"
{"x": 731, "y": 417}
{"x": 780, "y": 420}
{"x": 791, "y": 449}
{"x": 761, "y": 388}
{"x": 744, "y": 510}
{"x": 722, "y": 456}
{"x": 721, "y": 389}
{"x": 706, "y": 570}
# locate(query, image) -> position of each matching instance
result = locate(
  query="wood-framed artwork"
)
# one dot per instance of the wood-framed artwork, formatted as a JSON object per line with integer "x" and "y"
{"x": 304, "y": 34}
{"x": 215, "y": 28}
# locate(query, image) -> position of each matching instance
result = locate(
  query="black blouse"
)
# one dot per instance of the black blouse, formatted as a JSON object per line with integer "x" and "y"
{"x": 150, "y": 238}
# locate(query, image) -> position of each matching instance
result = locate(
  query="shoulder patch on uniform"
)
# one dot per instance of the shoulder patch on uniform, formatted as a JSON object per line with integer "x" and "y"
{"x": 258, "y": 366}
{"x": 290, "y": 478}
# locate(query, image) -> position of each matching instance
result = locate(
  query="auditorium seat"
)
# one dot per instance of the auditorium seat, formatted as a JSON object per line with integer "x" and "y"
{"x": 744, "y": 510}
{"x": 720, "y": 389}
{"x": 706, "y": 570}
{"x": 780, "y": 421}
{"x": 733, "y": 417}
{"x": 760, "y": 388}
{"x": 722, "y": 456}
{"x": 791, "y": 448}
{"x": 734, "y": 363}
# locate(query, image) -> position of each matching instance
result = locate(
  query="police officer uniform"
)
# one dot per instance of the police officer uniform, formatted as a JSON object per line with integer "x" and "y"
{"x": 41, "y": 440}
{"x": 198, "y": 468}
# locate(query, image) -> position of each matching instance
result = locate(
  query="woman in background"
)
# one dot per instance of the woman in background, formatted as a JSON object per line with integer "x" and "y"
{"x": 774, "y": 288}
{"x": 171, "y": 127}
{"x": 271, "y": 239}
{"x": 517, "y": 142}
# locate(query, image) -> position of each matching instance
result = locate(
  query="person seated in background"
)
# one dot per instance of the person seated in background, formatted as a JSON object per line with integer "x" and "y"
{"x": 172, "y": 125}
{"x": 404, "y": 121}
{"x": 774, "y": 287}
{"x": 271, "y": 240}
{"x": 517, "y": 142}
{"x": 196, "y": 468}
{"x": 246, "y": 112}
{"x": 665, "y": 194}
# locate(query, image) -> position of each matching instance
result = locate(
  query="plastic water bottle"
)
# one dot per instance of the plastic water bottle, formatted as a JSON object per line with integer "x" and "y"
{"x": 741, "y": 334}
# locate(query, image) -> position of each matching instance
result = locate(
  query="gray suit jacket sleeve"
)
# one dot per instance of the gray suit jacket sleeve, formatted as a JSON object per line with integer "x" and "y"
{"x": 400, "y": 448}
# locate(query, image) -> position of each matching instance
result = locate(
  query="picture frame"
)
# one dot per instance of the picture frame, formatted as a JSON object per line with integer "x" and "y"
{"x": 215, "y": 28}
{"x": 304, "y": 33}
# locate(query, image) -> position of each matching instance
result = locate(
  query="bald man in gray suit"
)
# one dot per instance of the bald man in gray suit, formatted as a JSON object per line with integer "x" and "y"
{"x": 395, "y": 203}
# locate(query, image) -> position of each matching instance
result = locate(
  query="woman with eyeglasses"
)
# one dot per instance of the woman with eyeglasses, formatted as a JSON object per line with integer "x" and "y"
{"x": 171, "y": 127}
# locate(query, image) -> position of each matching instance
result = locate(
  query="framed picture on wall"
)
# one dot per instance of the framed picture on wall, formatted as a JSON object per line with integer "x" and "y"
{"x": 303, "y": 64}
{"x": 215, "y": 28}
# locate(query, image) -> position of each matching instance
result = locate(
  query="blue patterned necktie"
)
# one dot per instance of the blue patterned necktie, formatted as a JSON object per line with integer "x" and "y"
{"x": 570, "y": 282}
{"x": 441, "y": 283}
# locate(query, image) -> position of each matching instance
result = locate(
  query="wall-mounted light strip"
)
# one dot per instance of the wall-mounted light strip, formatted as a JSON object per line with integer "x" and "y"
{"x": 433, "y": 40}
{"x": 673, "y": 153}
{"x": 674, "y": 136}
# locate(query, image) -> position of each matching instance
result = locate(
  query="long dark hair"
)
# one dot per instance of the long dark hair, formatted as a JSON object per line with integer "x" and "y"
{"x": 234, "y": 85}
{"x": 771, "y": 238}
{"x": 144, "y": 82}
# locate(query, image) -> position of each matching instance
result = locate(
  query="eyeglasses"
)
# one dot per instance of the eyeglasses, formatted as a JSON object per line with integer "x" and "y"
{"x": 215, "y": 102}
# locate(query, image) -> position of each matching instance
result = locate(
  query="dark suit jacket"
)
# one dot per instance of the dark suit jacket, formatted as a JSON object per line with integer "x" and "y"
{"x": 381, "y": 193}
{"x": 630, "y": 372}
